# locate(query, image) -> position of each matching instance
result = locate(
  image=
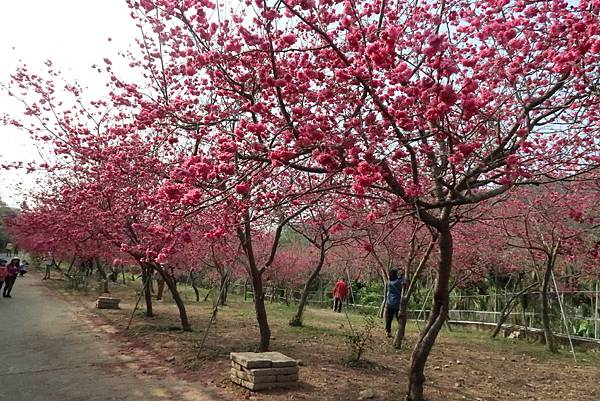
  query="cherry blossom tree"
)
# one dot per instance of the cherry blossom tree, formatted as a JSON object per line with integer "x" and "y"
{"x": 548, "y": 226}
{"x": 442, "y": 105}
{"x": 434, "y": 108}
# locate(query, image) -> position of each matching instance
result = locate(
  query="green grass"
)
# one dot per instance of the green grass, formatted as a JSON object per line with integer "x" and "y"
{"x": 523, "y": 346}
{"x": 318, "y": 322}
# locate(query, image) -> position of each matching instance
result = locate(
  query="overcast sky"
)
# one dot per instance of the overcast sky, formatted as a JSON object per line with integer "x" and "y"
{"x": 74, "y": 35}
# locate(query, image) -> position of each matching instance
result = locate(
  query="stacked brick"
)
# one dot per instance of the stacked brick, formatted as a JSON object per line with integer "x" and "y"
{"x": 263, "y": 370}
{"x": 107, "y": 303}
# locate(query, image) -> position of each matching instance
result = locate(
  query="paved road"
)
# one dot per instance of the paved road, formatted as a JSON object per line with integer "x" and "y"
{"x": 49, "y": 353}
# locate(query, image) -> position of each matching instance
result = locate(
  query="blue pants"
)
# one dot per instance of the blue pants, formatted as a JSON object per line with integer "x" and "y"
{"x": 390, "y": 313}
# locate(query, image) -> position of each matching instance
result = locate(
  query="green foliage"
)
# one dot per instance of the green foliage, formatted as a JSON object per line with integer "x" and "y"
{"x": 289, "y": 236}
{"x": 359, "y": 339}
{"x": 583, "y": 328}
{"x": 5, "y": 212}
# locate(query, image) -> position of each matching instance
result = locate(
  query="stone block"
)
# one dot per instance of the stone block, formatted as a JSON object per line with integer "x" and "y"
{"x": 263, "y": 370}
{"x": 251, "y": 359}
{"x": 274, "y": 371}
{"x": 287, "y": 378}
{"x": 254, "y": 379}
{"x": 278, "y": 360}
{"x": 107, "y": 303}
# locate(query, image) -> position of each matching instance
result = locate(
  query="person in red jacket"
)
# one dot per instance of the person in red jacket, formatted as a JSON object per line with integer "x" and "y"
{"x": 12, "y": 270}
{"x": 340, "y": 293}
{"x": 3, "y": 272}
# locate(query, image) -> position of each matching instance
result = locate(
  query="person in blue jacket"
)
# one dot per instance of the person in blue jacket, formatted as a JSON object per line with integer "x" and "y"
{"x": 394, "y": 295}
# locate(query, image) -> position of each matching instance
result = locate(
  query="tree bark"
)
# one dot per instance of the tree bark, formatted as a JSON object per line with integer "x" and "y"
{"x": 160, "y": 288}
{"x": 68, "y": 273}
{"x": 245, "y": 237}
{"x": 381, "y": 312}
{"x": 103, "y": 276}
{"x": 261, "y": 312}
{"x": 223, "y": 290}
{"x": 508, "y": 308}
{"x": 402, "y": 320}
{"x": 172, "y": 285}
{"x": 297, "y": 319}
{"x": 548, "y": 335}
{"x": 194, "y": 287}
{"x": 407, "y": 293}
{"x": 146, "y": 276}
{"x": 439, "y": 314}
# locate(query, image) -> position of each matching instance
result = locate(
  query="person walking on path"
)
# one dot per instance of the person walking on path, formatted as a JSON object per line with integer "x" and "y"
{"x": 394, "y": 296}
{"x": 9, "y": 249}
{"x": 11, "y": 276}
{"x": 340, "y": 293}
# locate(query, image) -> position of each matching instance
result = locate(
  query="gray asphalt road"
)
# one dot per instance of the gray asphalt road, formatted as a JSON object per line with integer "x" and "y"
{"x": 49, "y": 353}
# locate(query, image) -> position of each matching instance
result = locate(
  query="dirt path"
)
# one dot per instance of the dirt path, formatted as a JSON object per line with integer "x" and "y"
{"x": 50, "y": 352}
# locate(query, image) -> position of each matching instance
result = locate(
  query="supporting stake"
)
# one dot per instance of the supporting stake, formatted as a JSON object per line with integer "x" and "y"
{"x": 564, "y": 318}
{"x": 350, "y": 287}
{"x": 137, "y": 303}
{"x": 423, "y": 307}
{"x": 596, "y": 314}
{"x": 212, "y": 319}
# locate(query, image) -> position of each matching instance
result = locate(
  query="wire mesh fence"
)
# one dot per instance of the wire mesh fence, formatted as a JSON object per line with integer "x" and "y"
{"x": 581, "y": 308}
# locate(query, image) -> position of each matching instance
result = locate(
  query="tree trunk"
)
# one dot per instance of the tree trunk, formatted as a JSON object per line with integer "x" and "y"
{"x": 439, "y": 314}
{"x": 103, "y": 276}
{"x": 146, "y": 274}
{"x": 223, "y": 290}
{"x": 172, "y": 285}
{"x": 381, "y": 312}
{"x": 297, "y": 319}
{"x": 194, "y": 287}
{"x": 245, "y": 236}
{"x": 402, "y": 319}
{"x": 548, "y": 335}
{"x": 160, "y": 288}
{"x": 261, "y": 312}
{"x": 68, "y": 273}
{"x": 508, "y": 308}
{"x": 407, "y": 293}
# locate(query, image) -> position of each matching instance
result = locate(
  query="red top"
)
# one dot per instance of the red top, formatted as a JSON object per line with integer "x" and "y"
{"x": 3, "y": 273}
{"x": 11, "y": 270}
{"x": 340, "y": 290}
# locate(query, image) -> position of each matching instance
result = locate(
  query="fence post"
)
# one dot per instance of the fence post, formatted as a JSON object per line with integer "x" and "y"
{"x": 321, "y": 291}
{"x": 596, "y": 314}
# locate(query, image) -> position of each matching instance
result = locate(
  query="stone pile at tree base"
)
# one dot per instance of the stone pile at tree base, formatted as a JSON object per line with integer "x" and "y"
{"x": 107, "y": 303}
{"x": 263, "y": 370}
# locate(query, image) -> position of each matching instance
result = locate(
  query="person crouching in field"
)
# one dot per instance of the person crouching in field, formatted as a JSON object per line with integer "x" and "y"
{"x": 3, "y": 272}
{"x": 12, "y": 273}
{"x": 340, "y": 293}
